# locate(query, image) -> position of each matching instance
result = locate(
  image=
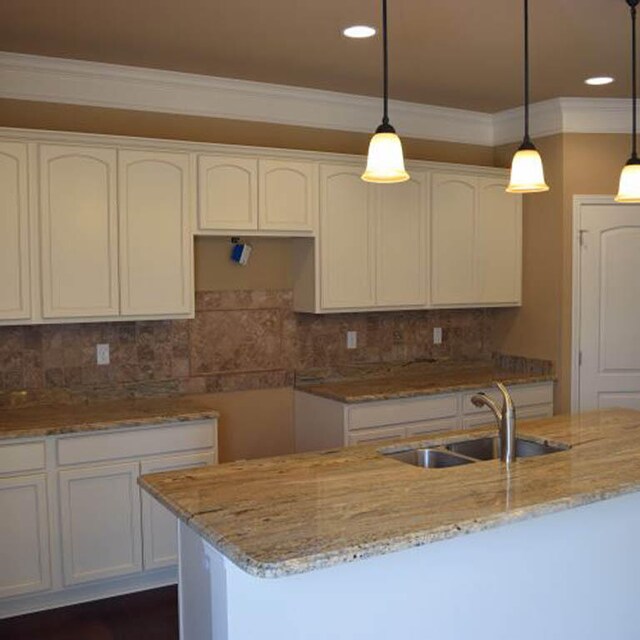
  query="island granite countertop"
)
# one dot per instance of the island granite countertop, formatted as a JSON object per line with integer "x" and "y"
{"x": 292, "y": 514}
{"x": 367, "y": 383}
{"x": 47, "y": 420}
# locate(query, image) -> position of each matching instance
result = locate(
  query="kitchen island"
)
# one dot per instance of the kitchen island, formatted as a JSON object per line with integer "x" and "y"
{"x": 353, "y": 543}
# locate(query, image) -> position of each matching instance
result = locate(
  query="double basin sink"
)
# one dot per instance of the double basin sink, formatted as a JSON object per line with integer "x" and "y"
{"x": 463, "y": 452}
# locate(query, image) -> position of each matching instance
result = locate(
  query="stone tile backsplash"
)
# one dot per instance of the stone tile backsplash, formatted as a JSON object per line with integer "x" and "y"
{"x": 238, "y": 340}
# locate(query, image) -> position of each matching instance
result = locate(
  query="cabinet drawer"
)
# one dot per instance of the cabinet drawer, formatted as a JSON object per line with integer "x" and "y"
{"x": 433, "y": 426}
{"x": 23, "y": 456}
{"x": 523, "y": 395}
{"x": 370, "y": 436}
{"x": 526, "y": 413}
{"x": 389, "y": 412}
{"x": 134, "y": 443}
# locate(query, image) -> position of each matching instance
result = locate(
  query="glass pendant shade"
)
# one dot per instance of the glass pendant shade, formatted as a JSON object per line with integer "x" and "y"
{"x": 385, "y": 162}
{"x": 629, "y": 189}
{"x": 527, "y": 174}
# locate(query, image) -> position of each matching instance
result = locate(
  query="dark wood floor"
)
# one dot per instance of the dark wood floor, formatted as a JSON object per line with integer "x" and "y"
{"x": 149, "y": 615}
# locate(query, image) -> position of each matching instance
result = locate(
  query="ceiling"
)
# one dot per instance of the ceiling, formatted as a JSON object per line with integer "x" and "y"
{"x": 442, "y": 52}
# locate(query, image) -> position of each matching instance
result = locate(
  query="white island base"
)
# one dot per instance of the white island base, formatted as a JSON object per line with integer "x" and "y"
{"x": 570, "y": 575}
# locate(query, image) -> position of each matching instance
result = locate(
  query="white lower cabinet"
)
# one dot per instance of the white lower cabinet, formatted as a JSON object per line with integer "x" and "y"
{"x": 100, "y": 518}
{"x": 73, "y": 523}
{"x": 159, "y": 525}
{"x": 25, "y": 564}
{"x": 321, "y": 423}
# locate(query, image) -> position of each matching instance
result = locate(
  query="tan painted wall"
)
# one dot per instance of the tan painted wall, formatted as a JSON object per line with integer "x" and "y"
{"x": 575, "y": 164}
{"x": 62, "y": 117}
{"x": 269, "y": 267}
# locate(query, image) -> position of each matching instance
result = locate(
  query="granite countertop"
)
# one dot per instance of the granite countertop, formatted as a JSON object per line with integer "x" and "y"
{"x": 292, "y": 514}
{"x": 414, "y": 379}
{"x": 46, "y": 420}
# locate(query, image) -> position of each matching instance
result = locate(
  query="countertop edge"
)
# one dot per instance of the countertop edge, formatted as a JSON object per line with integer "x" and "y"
{"x": 517, "y": 378}
{"x": 108, "y": 425}
{"x": 348, "y": 554}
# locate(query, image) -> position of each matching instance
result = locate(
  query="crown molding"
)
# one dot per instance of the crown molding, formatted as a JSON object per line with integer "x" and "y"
{"x": 58, "y": 80}
{"x": 27, "y": 77}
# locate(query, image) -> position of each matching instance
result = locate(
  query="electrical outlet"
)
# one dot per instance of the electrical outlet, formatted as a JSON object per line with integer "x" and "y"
{"x": 352, "y": 339}
{"x": 102, "y": 354}
{"x": 437, "y": 335}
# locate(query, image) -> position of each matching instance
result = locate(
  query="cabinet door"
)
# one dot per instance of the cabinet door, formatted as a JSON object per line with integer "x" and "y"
{"x": 155, "y": 244}
{"x": 288, "y": 195}
{"x": 347, "y": 239}
{"x": 400, "y": 256}
{"x": 228, "y": 193}
{"x": 100, "y": 522}
{"x": 159, "y": 526}
{"x": 24, "y": 536}
{"x": 498, "y": 244}
{"x": 453, "y": 220}
{"x": 79, "y": 232}
{"x": 15, "y": 291}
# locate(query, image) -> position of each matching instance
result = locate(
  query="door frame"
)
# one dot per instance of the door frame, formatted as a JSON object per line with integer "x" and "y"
{"x": 576, "y": 284}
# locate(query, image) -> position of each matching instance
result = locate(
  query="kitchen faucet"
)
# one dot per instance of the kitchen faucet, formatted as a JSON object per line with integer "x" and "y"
{"x": 506, "y": 419}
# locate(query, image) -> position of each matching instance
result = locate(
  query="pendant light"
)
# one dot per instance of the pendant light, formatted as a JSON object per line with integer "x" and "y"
{"x": 629, "y": 189}
{"x": 527, "y": 174}
{"x": 385, "y": 162}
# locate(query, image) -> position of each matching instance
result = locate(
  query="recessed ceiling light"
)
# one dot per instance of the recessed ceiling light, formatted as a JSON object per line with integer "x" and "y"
{"x": 359, "y": 31}
{"x": 599, "y": 80}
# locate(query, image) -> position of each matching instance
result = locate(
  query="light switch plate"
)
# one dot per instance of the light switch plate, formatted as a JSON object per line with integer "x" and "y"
{"x": 102, "y": 354}
{"x": 437, "y": 335}
{"x": 352, "y": 339}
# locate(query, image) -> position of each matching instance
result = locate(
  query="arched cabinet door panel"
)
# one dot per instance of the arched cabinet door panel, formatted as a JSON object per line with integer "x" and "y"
{"x": 155, "y": 243}
{"x": 498, "y": 244}
{"x": 288, "y": 195}
{"x": 453, "y": 230}
{"x": 15, "y": 290}
{"x": 401, "y": 269}
{"x": 347, "y": 239}
{"x": 79, "y": 231}
{"x": 228, "y": 193}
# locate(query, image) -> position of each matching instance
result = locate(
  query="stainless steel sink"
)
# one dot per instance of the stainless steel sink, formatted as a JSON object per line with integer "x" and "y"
{"x": 489, "y": 448}
{"x": 429, "y": 458}
{"x": 467, "y": 451}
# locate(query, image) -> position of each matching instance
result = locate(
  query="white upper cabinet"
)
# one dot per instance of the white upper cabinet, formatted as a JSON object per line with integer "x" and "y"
{"x": 498, "y": 244}
{"x": 288, "y": 198}
{"x": 453, "y": 222}
{"x": 228, "y": 193}
{"x": 79, "y": 229}
{"x": 155, "y": 243}
{"x": 400, "y": 246}
{"x": 15, "y": 291}
{"x": 347, "y": 241}
{"x": 476, "y": 241}
{"x": 257, "y": 194}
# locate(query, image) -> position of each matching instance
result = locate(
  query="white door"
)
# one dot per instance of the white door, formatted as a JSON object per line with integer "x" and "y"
{"x": 609, "y": 294}
{"x": 155, "y": 243}
{"x": 24, "y": 536}
{"x": 15, "y": 303}
{"x": 79, "y": 241}
{"x": 100, "y": 518}
{"x": 228, "y": 193}
{"x": 159, "y": 525}
{"x": 347, "y": 242}
{"x": 288, "y": 195}
{"x": 400, "y": 255}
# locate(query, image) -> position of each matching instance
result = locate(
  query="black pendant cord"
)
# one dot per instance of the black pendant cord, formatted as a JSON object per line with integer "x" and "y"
{"x": 526, "y": 71}
{"x": 634, "y": 99}
{"x": 385, "y": 127}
